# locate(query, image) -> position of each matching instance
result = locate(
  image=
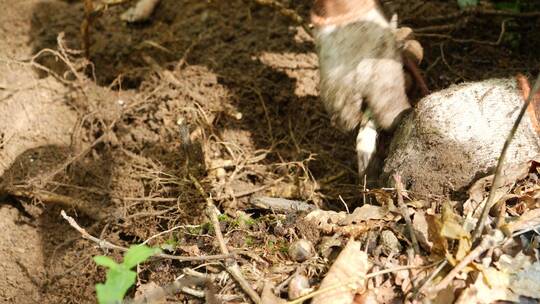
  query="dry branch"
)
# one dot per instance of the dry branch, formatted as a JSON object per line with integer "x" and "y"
{"x": 106, "y": 244}
{"x": 488, "y": 242}
{"x": 405, "y": 212}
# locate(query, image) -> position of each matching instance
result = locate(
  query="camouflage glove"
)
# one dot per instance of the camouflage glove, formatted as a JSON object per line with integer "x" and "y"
{"x": 361, "y": 58}
{"x": 412, "y": 55}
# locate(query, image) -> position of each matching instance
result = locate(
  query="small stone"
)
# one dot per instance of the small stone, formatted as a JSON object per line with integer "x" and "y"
{"x": 300, "y": 250}
{"x": 220, "y": 173}
{"x": 299, "y": 286}
{"x": 389, "y": 242}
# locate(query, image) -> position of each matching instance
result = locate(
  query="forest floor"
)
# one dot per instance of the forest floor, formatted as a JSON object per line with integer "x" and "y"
{"x": 221, "y": 92}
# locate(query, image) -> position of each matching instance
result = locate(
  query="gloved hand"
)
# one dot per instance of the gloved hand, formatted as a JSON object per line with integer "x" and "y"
{"x": 412, "y": 55}
{"x": 361, "y": 68}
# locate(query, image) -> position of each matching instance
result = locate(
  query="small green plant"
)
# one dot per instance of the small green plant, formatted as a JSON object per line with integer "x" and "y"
{"x": 224, "y": 218}
{"x": 170, "y": 244}
{"x": 270, "y": 245}
{"x": 248, "y": 241}
{"x": 275, "y": 246}
{"x": 467, "y": 3}
{"x": 120, "y": 277}
{"x": 513, "y": 6}
{"x": 243, "y": 221}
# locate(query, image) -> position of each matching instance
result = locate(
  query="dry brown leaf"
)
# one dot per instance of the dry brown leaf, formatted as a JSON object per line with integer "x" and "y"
{"x": 453, "y": 230}
{"x": 421, "y": 229}
{"x": 528, "y": 220}
{"x": 347, "y": 224}
{"x": 150, "y": 293}
{"x": 464, "y": 247}
{"x": 452, "y": 226}
{"x": 268, "y": 296}
{"x": 346, "y": 277}
{"x": 384, "y": 198}
{"x": 490, "y": 286}
{"x": 445, "y": 296}
{"x": 191, "y": 250}
{"x": 387, "y": 294}
{"x": 480, "y": 189}
{"x": 510, "y": 264}
{"x": 365, "y": 213}
{"x": 527, "y": 282}
{"x": 326, "y": 221}
{"x": 406, "y": 279}
{"x": 473, "y": 208}
{"x": 367, "y": 297}
{"x": 440, "y": 244}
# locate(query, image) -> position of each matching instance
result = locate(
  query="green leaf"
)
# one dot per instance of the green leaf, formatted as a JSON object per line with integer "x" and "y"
{"x": 509, "y": 6}
{"x": 138, "y": 254}
{"x": 106, "y": 262}
{"x": 116, "y": 285}
{"x": 467, "y": 3}
{"x": 119, "y": 276}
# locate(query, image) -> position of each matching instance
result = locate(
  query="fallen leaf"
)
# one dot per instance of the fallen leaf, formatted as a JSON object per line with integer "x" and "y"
{"x": 490, "y": 286}
{"x": 420, "y": 227}
{"x": 268, "y": 296}
{"x": 440, "y": 244}
{"x": 511, "y": 174}
{"x": 367, "y": 297}
{"x": 346, "y": 224}
{"x": 447, "y": 295}
{"x": 384, "y": 198}
{"x": 346, "y": 277}
{"x": 510, "y": 264}
{"x": 365, "y": 213}
{"x": 191, "y": 250}
{"x": 528, "y": 220}
{"x": 452, "y": 226}
{"x": 326, "y": 221}
{"x": 527, "y": 282}
{"x": 150, "y": 293}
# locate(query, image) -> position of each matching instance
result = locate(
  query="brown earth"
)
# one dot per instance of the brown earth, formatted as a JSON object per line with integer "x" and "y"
{"x": 243, "y": 79}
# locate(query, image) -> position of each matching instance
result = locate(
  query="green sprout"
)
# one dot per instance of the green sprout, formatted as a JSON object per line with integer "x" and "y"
{"x": 467, "y": 3}
{"x": 120, "y": 277}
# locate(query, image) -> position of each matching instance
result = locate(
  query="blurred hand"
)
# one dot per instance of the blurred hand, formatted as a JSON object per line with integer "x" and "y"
{"x": 361, "y": 69}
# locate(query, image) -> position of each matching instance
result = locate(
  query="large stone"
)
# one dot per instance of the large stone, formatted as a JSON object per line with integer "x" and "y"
{"x": 456, "y": 135}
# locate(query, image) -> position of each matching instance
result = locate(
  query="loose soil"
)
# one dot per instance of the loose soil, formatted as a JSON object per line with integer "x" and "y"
{"x": 243, "y": 80}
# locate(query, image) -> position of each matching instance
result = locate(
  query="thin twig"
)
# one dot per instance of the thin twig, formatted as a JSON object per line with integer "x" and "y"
{"x": 488, "y": 242}
{"x": 466, "y": 41}
{"x": 497, "y": 179}
{"x": 201, "y": 294}
{"x": 278, "y": 204}
{"x": 231, "y": 265}
{"x": 106, "y": 244}
{"x": 405, "y": 212}
{"x": 47, "y": 197}
{"x": 430, "y": 278}
{"x": 162, "y": 233}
